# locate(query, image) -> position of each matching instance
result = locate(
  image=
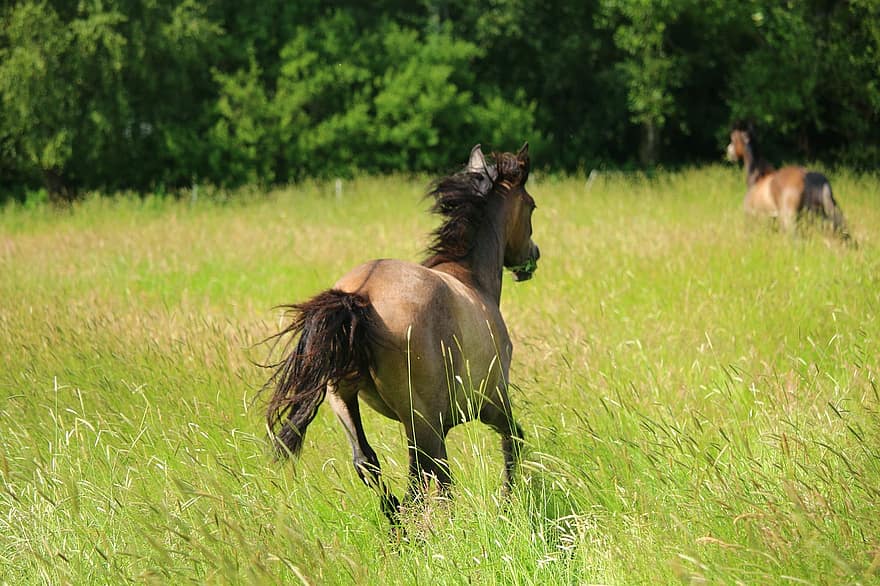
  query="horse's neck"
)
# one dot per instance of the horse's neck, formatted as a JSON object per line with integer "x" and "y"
{"x": 488, "y": 262}
{"x": 481, "y": 269}
{"x": 755, "y": 166}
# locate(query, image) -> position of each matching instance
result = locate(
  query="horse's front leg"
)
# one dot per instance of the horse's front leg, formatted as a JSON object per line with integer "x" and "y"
{"x": 345, "y": 404}
{"x": 499, "y": 416}
{"x": 427, "y": 457}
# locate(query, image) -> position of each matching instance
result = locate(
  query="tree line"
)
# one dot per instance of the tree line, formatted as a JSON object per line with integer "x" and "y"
{"x": 161, "y": 94}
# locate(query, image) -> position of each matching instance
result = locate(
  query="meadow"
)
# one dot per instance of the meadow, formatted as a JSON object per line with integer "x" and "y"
{"x": 699, "y": 394}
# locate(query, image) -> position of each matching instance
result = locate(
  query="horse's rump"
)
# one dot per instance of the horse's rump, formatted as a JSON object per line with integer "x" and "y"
{"x": 817, "y": 194}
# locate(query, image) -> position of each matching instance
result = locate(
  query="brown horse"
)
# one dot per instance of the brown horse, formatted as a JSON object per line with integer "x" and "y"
{"x": 423, "y": 344}
{"x": 784, "y": 194}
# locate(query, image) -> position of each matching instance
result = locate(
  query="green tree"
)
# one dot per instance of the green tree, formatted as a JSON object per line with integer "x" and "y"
{"x": 147, "y": 94}
{"x": 38, "y": 104}
{"x": 809, "y": 79}
{"x": 108, "y": 94}
{"x": 850, "y": 84}
{"x": 246, "y": 131}
{"x": 650, "y": 70}
{"x": 348, "y": 98}
{"x": 776, "y": 93}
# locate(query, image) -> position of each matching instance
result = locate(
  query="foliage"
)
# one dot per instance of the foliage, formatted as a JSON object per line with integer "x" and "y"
{"x": 648, "y": 70}
{"x": 38, "y": 104}
{"x": 109, "y": 94}
{"x": 338, "y": 107}
{"x": 154, "y": 94}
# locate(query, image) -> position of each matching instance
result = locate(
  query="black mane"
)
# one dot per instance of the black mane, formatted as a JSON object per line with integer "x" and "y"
{"x": 760, "y": 165}
{"x": 458, "y": 199}
{"x": 461, "y": 200}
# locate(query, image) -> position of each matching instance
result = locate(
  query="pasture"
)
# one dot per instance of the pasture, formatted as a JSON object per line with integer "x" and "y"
{"x": 700, "y": 397}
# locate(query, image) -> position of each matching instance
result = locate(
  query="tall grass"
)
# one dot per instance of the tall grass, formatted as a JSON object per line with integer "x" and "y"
{"x": 700, "y": 395}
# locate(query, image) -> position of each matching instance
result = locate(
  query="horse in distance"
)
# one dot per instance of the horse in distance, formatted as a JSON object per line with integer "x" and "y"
{"x": 785, "y": 194}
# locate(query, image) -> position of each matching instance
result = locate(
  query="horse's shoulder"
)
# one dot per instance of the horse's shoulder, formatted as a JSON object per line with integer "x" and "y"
{"x": 759, "y": 198}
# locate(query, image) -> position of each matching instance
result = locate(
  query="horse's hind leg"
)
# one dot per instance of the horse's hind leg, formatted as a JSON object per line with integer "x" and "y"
{"x": 500, "y": 418}
{"x": 344, "y": 402}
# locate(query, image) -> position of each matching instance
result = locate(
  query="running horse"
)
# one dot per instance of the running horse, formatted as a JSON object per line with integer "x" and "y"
{"x": 423, "y": 344}
{"x": 784, "y": 194}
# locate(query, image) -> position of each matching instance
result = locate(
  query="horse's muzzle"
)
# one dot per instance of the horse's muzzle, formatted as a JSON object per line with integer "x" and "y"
{"x": 525, "y": 271}
{"x": 731, "y": 154}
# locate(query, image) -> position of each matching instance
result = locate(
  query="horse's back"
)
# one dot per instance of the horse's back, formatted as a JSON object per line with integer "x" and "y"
{"x": 786, "y": 191}
{"x": 404, "y": 295}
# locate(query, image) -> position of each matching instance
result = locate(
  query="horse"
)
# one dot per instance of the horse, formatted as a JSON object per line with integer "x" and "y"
{"x": 422, "y": 344}
{"x": 785, "y": 194}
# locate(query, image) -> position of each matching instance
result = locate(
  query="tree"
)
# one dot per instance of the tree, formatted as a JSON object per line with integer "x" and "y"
{"x": 651, "y": 72}
{"x": 38, "y": 106}
{"x": 153, "y": 94}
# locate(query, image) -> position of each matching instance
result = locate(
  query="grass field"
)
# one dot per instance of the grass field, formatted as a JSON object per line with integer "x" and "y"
{"x": 700, "y": 396}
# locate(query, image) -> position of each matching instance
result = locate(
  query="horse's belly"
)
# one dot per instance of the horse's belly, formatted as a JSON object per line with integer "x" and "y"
{"x": 374, "y": 399}
{"x": 442, "y": 379}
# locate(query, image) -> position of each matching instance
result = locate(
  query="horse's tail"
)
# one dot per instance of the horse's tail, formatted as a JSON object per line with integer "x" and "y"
{"x": 334, "y": 329}
{"x": 819, "y": 197}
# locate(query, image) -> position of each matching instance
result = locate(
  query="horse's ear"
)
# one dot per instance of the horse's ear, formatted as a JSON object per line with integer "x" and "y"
{"x": 746, "y": 126}
{"x": 523, "y": 156}
{"x": 745, "y": 129}
{"x": 477, "y": 164}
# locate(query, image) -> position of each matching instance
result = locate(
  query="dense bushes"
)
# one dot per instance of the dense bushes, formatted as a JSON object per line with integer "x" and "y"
{"x": 152, "y": 93}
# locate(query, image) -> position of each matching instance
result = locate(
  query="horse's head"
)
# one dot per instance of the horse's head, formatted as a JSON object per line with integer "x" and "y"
{"x": 507, "y": 177}
{"x": 740, "y": 137}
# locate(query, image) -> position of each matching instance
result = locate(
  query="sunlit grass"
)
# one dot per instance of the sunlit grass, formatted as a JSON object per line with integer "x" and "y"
{"x": 700, "y": 395}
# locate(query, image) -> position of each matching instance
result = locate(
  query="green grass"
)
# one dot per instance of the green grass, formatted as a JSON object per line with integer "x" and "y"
{"x": 700, "y": 395}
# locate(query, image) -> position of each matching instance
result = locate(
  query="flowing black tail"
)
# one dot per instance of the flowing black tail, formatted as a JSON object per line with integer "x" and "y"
{"x": 334, "y": 329}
